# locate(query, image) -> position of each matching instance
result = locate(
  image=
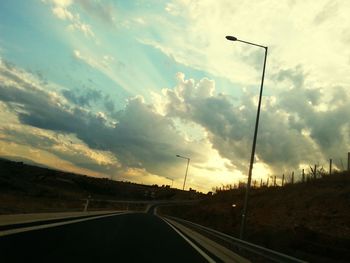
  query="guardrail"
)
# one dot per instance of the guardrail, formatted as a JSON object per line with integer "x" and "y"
{"x": 263, "y": 252}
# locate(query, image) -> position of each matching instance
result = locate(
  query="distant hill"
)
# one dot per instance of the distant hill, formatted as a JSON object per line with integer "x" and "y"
{"x": 29, "y": 188}
{"x": 23, "y": 160}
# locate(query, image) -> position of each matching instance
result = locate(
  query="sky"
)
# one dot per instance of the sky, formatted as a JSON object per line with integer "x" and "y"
{"x": 117, "y": 89}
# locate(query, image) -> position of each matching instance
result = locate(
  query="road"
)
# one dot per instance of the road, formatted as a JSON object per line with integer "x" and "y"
{"x": 131, "y": 237}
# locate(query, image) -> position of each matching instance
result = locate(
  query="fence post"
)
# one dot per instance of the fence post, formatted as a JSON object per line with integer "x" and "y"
{"x": 303, "y": 176}
{"x": 315, "y": 172}
{"x": 330, "y": 166}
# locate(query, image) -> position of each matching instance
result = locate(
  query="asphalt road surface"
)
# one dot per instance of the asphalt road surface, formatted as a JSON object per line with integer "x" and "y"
{"x": 135, "y": 237}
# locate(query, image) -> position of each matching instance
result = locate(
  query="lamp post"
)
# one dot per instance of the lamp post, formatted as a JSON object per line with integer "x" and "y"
{"x": 245, "y": 204}
{"x": 188, "y": 162}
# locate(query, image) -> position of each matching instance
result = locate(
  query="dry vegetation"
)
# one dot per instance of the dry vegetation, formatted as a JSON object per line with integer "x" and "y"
{"x": 309, "y": 220}
{"x": 31, "y": 189}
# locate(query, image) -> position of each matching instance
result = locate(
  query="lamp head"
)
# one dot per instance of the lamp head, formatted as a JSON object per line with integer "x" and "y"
{"x": 231, "y": 38}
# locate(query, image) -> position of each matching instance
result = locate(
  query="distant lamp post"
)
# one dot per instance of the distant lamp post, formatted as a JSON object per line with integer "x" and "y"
{"x": 188, "y": 162}
{"x": 244, "y": 212}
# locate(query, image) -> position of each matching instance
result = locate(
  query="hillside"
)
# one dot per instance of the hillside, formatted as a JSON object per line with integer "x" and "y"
{"x": 309, "y": 220}
{"x": 27, "y": 188}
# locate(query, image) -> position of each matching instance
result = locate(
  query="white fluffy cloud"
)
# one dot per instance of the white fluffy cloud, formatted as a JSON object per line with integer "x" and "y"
{"x": 60, "y": 8}
{"x": 62, "y": 13}
{"x": 312, "y": 34}
{"x": 62, "y": 3}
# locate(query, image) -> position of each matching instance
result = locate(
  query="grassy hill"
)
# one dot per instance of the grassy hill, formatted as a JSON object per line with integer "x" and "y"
{"x": 309, "y": 220}
{"x": 27, "y": 188}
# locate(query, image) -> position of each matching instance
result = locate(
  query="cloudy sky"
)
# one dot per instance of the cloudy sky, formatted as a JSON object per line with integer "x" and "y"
{"x": 116, "y": 89}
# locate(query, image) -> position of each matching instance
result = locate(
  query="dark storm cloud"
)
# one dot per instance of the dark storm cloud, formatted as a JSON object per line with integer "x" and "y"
{"x": 141, "y": 138}
{"x": 86, "y": 97}
{"x": 108, "y": 104}
{"x": 83, "y": 97}
{"x": 144, "y": 138}
{"x": 329, "y": 128}
{"x": 227, "y": 125}
{"x": 296, "y": 76}
{"x": 292, "y": 130}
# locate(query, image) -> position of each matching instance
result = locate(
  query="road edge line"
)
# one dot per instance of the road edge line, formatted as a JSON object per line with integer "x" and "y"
{"x": 200, "y": 251}
{"x": 38, "y": 227}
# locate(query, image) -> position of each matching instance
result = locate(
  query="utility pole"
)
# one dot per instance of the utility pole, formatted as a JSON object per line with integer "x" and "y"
{"x": 188, "y": 162}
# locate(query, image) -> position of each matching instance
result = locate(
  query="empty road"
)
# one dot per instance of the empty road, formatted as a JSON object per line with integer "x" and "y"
{"x": 132, "y": 237}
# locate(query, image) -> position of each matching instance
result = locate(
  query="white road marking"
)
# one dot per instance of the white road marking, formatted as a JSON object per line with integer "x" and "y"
{"x": 26, "y": 229}
{"x": 209, "y": 259}
{"x": 13, "y": 219}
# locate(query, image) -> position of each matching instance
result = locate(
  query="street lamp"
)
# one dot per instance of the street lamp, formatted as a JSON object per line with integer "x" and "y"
{"x": 244, "y": 212}
{"x": 188, "y": 162}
